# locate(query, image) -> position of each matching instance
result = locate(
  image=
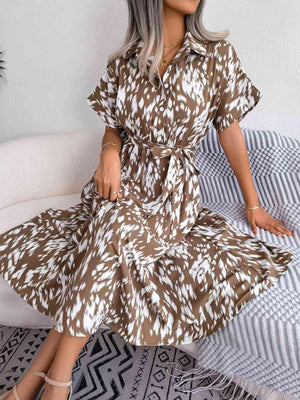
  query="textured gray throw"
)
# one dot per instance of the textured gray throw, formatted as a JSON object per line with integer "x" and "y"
{"x": 262, "y": 343}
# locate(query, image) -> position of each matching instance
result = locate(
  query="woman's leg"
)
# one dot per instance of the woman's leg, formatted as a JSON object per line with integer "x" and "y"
{"x": 30, "y": 384}
{"x": 67, "y": 352}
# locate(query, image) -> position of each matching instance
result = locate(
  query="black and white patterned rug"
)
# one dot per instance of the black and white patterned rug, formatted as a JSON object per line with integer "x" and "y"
{"x": 107, "y": 368}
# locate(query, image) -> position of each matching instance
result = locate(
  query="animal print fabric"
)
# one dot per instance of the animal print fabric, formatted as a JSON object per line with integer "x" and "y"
{"x": 156, "y": 266}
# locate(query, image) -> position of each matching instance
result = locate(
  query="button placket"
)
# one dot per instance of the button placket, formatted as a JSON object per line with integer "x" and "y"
{"x": 165, "y": 87}
{"x": 162, "y": 109}
{"x": 164, "y": 84}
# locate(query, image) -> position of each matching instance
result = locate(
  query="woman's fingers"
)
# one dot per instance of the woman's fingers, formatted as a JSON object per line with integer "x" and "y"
{"x": 98, "y": 186}
{"x": 277, "y": 220}
{"x": 106, "y": 189}
{"x": 283, "y": 229}
{"x": 273, "y": 229}
{"x": 253, "y": 225}
{"x": 115, "y": 191}
{"x": 279, "y": 229}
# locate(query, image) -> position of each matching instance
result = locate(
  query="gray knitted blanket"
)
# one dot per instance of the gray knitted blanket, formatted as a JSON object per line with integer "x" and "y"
{"x": 261, "y": 345}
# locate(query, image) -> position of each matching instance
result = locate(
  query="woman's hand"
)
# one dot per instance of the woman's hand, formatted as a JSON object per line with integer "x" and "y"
{"x": 259, "y": 217}
{"x": 107, "y": 177}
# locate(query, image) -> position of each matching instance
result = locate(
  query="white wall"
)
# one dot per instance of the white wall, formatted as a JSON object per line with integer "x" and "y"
{"x": 55, "y": 51}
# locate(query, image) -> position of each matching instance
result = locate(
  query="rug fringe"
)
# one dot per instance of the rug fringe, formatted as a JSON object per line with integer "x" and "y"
{"x": 187, "y": 376}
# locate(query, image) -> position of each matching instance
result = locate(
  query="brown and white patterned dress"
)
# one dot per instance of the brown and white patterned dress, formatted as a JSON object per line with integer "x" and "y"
{"x": 156, "y": 266}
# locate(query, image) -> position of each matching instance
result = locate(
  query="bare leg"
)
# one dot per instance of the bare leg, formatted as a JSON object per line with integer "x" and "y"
{"x": 67, "y": 352}
{"x": 30, "y": 384}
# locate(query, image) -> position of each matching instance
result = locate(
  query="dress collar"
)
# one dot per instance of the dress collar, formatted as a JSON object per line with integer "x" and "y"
{"x": 190, "y": 43}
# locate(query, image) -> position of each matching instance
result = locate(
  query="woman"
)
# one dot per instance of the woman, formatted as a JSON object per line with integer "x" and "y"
{"x": 140, "y": 253}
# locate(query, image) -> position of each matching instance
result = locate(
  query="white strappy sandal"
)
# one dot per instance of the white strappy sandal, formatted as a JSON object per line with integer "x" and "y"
{"x": 54, "y": 383}
{"x": 14, "y": 392}
{"x": 47, "y": 379}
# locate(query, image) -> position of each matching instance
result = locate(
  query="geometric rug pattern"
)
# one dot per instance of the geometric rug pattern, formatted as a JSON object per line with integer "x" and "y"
{"x": 107, "y": 368}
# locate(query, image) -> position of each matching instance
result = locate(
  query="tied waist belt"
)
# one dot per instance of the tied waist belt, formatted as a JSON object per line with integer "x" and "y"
{"x": 161, "y": 150}
{"x": 178, "y": 155}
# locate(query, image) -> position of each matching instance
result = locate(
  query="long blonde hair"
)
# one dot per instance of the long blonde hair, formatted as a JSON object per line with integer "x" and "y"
{"x": 146, "y": 23}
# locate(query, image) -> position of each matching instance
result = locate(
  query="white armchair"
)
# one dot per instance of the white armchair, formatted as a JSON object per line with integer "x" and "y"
{"x": 37, "y": 173}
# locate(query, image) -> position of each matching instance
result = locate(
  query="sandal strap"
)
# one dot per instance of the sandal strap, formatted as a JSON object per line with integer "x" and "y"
{"x": 52, "y": 381}
{"x": 57, "y": 383}
{"x": 15, "y": 393}
{"x": 42, "y": 374}
{"x": 70, "y": 393}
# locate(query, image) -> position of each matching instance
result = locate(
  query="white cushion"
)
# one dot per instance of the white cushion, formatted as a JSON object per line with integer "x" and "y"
{"x": 18, "y": 213}
{"x": 46, "y": 166}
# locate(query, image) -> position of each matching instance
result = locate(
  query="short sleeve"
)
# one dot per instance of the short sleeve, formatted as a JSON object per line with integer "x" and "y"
{"x": 104, "y": 97}
{"x": 238, "y": 94}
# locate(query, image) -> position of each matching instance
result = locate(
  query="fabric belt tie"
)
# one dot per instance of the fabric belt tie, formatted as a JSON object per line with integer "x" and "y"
{"x": 178, "y": 155}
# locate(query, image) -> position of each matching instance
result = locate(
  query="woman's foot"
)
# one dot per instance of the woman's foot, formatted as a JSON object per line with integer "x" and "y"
{"x": 28, "y": 387}
{"x": 66, "y": 354}
{"x": 53, "y": 392}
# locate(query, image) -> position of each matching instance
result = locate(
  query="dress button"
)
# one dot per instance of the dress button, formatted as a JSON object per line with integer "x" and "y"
{"x": 166, "y": 85}
{"x": 161, "y": 109}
